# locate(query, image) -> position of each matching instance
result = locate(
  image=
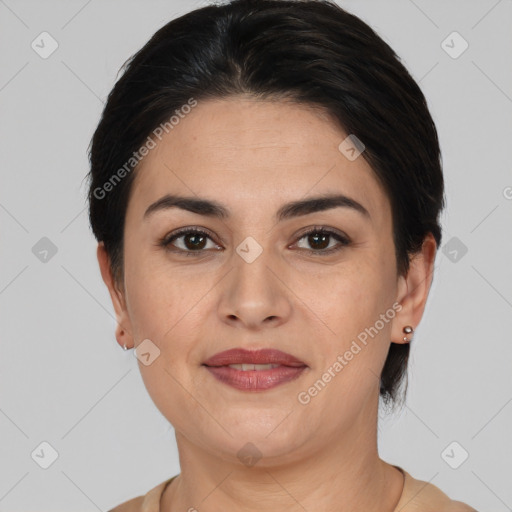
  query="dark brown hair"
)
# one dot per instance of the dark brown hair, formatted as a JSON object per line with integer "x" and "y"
{"x": 312, "y": 52}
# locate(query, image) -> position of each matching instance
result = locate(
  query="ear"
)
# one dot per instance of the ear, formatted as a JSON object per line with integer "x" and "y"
{"x": 123, "y": 329}
{"x": 413, "y": 290}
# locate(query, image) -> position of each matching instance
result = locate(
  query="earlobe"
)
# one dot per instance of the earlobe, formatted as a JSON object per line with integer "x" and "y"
{"x": 413, "y": 291}
{"x": 123, "y": 338}
{"x": 123, "y": 329}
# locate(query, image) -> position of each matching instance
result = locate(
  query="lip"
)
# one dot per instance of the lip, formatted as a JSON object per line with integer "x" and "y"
{"x": 289, "y": 368}
{"x": 261, "y": 356}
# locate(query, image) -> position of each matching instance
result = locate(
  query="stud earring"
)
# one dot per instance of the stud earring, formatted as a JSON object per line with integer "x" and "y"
{"x": 407, "y": 330}
{"x": 124, "y": 344}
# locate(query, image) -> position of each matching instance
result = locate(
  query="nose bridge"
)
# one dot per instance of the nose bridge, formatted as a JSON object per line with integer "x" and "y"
{"x": 252, "y": 260}
{"x": 254, "y": 291}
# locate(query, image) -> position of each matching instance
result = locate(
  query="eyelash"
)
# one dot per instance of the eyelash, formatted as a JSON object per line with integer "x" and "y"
{"x": 344, "y": 240}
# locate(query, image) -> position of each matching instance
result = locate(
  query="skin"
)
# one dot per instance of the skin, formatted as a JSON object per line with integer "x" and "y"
{"x": 253, "y": 156}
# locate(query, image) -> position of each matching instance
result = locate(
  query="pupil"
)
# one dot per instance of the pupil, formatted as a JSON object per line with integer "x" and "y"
{"x": 194, "y": 245}
{"x": 316, "y": 237}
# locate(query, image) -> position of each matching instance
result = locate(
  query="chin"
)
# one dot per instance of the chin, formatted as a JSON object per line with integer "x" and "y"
{"x": 268, "y": 441}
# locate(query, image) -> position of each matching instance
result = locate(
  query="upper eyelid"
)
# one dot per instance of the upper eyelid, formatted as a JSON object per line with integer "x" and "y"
{"x": 328, "y": 230}
{"x": 185, "y": 231}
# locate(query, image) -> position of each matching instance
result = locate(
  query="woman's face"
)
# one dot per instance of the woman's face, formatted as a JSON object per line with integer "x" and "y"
{"x": 254, "y": 282}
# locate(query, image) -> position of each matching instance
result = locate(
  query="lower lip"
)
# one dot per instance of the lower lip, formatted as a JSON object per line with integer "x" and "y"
{"x": 255, "y": 380}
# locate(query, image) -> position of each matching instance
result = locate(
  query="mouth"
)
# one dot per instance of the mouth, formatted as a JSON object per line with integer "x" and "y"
{"x": 254, "y": 370}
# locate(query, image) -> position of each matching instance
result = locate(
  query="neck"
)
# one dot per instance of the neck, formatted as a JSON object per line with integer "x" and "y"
{"x": 344, "y": 474}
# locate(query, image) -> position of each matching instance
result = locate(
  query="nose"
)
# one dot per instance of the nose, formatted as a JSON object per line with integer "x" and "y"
{"x": 255, "y": 294}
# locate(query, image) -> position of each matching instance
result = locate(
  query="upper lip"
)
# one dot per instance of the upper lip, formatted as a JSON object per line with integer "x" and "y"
{"x": 261, "y": 356}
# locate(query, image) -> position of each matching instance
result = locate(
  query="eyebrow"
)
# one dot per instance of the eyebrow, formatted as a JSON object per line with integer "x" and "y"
{"x": 290, "y": 210}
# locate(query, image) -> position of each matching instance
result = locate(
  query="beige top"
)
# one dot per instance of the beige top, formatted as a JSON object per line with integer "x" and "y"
{"x": 417, "y": 496}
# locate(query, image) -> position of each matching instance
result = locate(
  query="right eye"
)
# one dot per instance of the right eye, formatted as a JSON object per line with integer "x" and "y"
{"x": 193, "y": 244}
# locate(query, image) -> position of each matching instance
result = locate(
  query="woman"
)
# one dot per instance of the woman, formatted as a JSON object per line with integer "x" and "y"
{"x": 265, "y": 188}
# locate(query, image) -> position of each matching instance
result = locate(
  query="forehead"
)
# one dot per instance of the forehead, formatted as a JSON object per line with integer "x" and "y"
{"x": 251, "y": 153}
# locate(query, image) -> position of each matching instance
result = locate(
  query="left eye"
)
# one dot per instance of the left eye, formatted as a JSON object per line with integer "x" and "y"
{"x": 318, "y": 238}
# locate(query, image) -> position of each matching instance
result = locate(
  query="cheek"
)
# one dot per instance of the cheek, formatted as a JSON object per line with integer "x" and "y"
{"x": 353, "y": 298}
{"x": 357, "y": 306}
{"x": 169, "y": 305}
{"x": 156, "y": 293}
{"x": 346, "y": 375}
{"x": 160, "y": 306}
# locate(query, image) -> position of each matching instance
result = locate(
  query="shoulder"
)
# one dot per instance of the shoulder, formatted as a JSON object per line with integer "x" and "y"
{"x": 133, "y": 505}
{"x": 150, "y": 502}
{"x": 420, "y": 496}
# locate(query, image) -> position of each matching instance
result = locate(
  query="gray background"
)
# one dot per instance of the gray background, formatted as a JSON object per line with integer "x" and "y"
{"x": 64, "y": 379}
